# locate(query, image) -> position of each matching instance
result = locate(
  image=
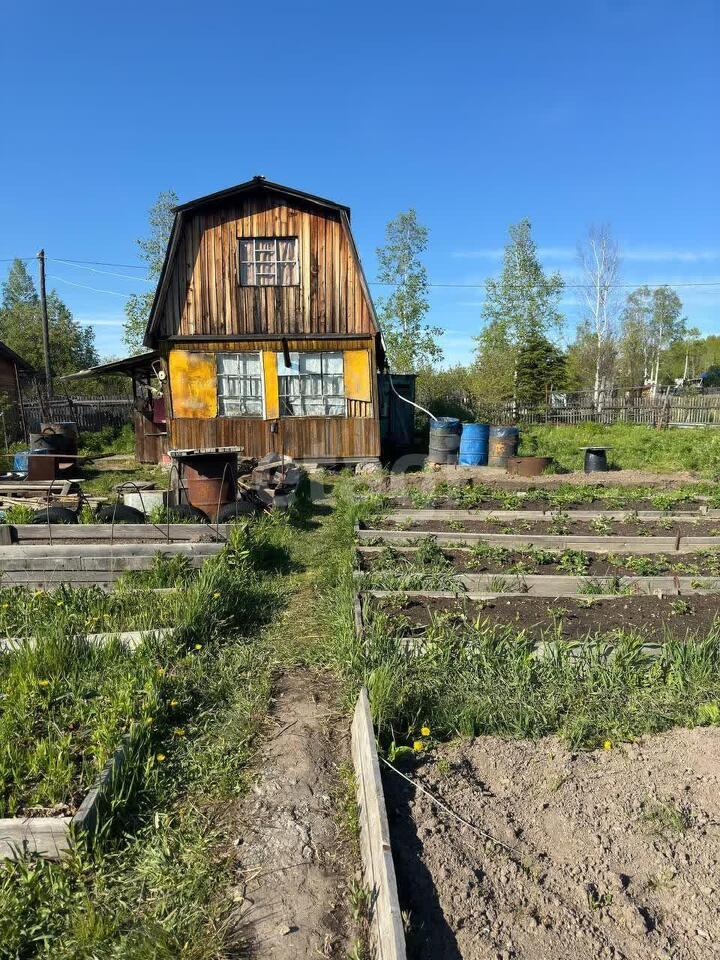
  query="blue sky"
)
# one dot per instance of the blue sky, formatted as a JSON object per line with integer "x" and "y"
{"x": 476, "y": 114}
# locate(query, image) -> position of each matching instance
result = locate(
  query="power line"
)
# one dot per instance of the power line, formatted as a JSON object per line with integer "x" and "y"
{"x": 106, "y": 273}
{"x": 114, "y": 293}
{"x": 104, "y": 263}
{"x": 568, "y": 286}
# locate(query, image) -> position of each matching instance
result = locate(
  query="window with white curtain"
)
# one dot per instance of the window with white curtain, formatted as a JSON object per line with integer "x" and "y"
{"x": 312, "y": 386}
{"x": 269, "y": 262}
{"x": 239, "y": 385}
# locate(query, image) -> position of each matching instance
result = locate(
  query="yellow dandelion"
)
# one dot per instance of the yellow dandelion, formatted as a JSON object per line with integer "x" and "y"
{"x": 160, "y": 671}
{"x": 607, "y": 745}
{"x": 198, "y": 646}
{"x": 425, "y": 731}
{"x": 43, "y": 683}
{"x": 149, "y": 719}
{"x": 216, "y": 595}
{"x": 173, "y": 703}
{"x": 179, "y": 732}
{"x": 159, "y": 757}
{"x": 418, "y": 746}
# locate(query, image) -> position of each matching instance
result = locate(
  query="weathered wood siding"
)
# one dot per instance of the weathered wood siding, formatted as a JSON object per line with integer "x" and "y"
{"x": 204, "y": 294}
{"x": 356, "y": 436}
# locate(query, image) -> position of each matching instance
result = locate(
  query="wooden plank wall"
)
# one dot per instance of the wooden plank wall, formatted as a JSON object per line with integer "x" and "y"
{"x": 305, "y": 438}
{"x": 205, "y": 297}
{"x": 149, "y": 445}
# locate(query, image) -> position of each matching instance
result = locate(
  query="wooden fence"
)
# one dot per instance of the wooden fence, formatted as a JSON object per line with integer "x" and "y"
{"x": 90, "y": 413}
{"x": 666, "y": 411}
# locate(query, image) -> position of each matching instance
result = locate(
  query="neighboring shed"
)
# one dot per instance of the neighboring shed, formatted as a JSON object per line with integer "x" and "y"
{"x": 13, "y": 371}
{"x": 150, "y": 423}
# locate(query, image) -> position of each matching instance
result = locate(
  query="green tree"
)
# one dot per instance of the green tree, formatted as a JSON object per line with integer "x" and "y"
{"x": 651, "y": 324}
{"x": 541, "y": 369}
{"x": 72, "y": 346}
{"x": 521, "y": 305}
{"x": 411, "y": 344}
{"x": 152, "y": 250}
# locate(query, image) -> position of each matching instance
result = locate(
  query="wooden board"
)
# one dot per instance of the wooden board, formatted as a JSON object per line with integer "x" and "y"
{"x": 422, "y": 516}
{"x": 386, "y": 926}
{"x": 177, "y": 532}
{"x": 538, "y": 585}
{"x": 590, "y": 544}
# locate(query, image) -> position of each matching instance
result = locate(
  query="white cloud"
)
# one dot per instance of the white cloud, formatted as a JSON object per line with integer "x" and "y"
{"x": 659, "y": 255}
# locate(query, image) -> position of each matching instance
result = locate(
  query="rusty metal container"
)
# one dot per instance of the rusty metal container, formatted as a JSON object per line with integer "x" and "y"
{"x": 527, "y": 466}
{"x": 210, "y": 480}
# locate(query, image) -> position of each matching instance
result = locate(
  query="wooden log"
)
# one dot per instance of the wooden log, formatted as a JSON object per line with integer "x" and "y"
{"x": 34, "y": 551}
{"x": 386, "y": 926}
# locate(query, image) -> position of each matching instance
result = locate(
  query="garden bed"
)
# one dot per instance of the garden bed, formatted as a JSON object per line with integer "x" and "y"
{"x": 609, "y": 853}
{"x": 401, "y": 527}
{"x": 539, "y": 618}
{"x": 484, "y": 558}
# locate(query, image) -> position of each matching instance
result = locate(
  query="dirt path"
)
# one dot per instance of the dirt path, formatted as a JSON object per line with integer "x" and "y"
{"x": 614, "y": 853}
{"x": 293, "y": 863}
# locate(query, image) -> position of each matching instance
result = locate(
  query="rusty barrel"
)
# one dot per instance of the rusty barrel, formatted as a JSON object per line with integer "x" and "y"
{"x": 502, "y": 445}
{"x": 210, "y": 481}
{"x": 444, "y": 440}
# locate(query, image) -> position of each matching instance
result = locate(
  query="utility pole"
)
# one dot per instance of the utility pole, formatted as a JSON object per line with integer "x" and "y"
{"x": 45, "y": 328}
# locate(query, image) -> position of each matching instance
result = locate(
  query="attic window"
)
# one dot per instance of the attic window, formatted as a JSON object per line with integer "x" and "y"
{"x": 269, "y": 262}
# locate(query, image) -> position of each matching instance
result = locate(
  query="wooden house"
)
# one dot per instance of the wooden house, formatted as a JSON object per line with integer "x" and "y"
{"x": 13, "y": 371}
{"x": 265, "y": 329}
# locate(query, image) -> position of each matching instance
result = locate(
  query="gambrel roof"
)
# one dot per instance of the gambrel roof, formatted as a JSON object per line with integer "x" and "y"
{"x": 216, "y": 201}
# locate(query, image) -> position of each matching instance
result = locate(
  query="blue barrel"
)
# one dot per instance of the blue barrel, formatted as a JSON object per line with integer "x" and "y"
{"x": 444, "y": 440}
{"x": 503, "y": 443}
{"x": 474, "y": 444}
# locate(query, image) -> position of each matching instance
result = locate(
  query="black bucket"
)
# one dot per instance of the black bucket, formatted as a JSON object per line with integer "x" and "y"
{"x": 444, "y": 440}
{"x": 596, "y": 460}
{"x": 502, "y": 445}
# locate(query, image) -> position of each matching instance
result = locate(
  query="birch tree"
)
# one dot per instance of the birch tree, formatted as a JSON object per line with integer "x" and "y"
{"x": 411, "y": 344}
{"x": 599, "y": 260}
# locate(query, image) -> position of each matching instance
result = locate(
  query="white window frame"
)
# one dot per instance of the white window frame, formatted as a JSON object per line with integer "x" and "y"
{"x": 304, "y": 398}
{"x": 255, "y": 354}
{"x": 269, "y": 268}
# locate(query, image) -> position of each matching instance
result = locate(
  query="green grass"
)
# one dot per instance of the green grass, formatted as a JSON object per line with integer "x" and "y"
{"x": 107, "y": 442}
{"x": 155, "y": 886}
{"x": 632, "y": 447}
{"x": 102, "y": 483}
{"x": 467, "y": 678}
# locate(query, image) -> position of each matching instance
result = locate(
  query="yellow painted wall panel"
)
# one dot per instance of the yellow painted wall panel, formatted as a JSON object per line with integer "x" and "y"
{"x": 357, "y": 375}
{"x": 193, "y": 384}
{"x": 271, "y": 385}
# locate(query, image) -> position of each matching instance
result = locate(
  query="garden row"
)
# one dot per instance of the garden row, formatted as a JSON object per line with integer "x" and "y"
{"x": 596, "y": 626}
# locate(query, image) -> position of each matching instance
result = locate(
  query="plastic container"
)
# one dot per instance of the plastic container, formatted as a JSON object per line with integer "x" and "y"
{"x": 474, "y": 444}
{"x": 444, "y": 440}
{"x": 503, "y": 444}
{"x": 596, "y": 460}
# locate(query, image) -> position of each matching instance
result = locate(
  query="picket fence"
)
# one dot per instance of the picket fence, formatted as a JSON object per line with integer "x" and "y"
{"x": 661, "y": 411}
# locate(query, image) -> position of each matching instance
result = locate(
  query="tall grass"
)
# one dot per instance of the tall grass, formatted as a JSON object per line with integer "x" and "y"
{"x": 156, "y": 886}
{"x": 632, "y": 447}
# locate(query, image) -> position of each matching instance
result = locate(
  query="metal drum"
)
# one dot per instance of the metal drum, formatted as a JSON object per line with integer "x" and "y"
{"x": 503, "y": 445}
{"x": 596, "y": 460}
{"x": 528, "y": 466}
{"x": 210, "y": 481}
{"x": 444, "y": 440}
{"x": 474, "y": 444}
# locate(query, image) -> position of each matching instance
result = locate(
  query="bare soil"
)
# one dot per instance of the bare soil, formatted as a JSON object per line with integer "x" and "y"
{"x": 609, "y": 854}
{"x": 517, "y": 562}
{"x": 497, "y": 476}
{"x": 293, "y": 863}
{"x": 534, "y": 503}
{"x": 569, "y": 618}
{"x": 669, "y": 527}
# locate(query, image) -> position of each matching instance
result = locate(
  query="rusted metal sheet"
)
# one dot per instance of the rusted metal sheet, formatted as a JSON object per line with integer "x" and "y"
{"x": 193, "y": 384}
